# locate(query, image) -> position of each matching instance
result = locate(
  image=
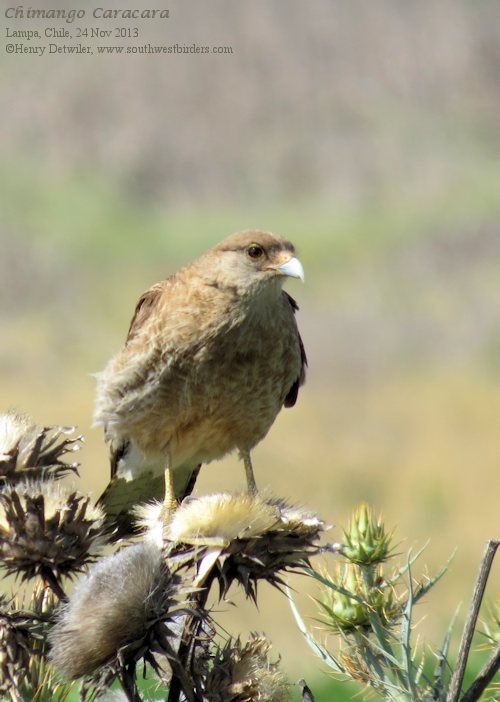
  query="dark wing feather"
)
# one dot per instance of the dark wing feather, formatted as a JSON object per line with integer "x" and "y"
{"x": 121, "y": 495}
{"x": 190, "y": 486}
{"x": 115, "y": 454}
{"x": 145, "y": 305}
{"x": 291, "y": 397}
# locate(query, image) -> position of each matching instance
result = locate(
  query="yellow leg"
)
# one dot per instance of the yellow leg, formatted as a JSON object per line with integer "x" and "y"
{"x": 170, "y": 503}
{"x": 251, "y": 484}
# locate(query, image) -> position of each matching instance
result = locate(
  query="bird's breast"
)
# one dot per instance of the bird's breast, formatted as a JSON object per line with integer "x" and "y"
{"x": 218, "y": 393}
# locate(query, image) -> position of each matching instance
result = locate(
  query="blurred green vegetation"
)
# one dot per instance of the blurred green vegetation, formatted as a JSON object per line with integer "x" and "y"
{"x": 89, "y": 221}
{"x": 85, "y": 230}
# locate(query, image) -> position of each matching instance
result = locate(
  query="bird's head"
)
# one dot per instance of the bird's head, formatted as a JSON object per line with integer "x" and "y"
{"x": 254, "y": 260}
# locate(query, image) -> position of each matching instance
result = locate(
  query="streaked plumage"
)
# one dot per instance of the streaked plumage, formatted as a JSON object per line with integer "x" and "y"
{"x": 212, "y": 354}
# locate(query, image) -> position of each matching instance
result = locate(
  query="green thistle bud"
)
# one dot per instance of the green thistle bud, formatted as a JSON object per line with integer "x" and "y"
{"x": 366, "y": 540}
{"x": 343, "y": 612}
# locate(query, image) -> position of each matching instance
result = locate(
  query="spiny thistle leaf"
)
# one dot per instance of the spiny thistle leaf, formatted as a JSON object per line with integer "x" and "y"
{"x": 317, "y": 647}
{"x": 442, "y": 671}
{"x": 423, "y": 588}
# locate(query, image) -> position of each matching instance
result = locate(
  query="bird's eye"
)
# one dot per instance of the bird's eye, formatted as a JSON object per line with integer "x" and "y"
{"x": 255, "y": 251}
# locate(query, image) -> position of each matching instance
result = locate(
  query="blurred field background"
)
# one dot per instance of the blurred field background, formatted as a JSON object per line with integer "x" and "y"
{"x": 369, "y": 134}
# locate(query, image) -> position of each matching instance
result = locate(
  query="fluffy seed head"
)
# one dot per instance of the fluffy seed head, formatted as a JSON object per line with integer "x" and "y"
{"x": 13, "y": 427}
{"x": 117, "y": 612}
{"x": 219, "y": 519}
{"x": 244, "y": 539}
{"x": 47, "y": 527}
{"x": 148, "y": 519}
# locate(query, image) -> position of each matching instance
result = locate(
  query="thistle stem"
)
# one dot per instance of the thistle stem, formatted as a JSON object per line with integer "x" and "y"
{"x": 129, "y": 684}
{"x": 52, "y": 582}
{"x": 470, "y": 624}
{"x": 189, "y": 633}
{"x": 483, "y": 679}
{"x": 15, "y": 696}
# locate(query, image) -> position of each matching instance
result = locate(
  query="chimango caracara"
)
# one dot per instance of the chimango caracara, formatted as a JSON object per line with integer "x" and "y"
{"x": 212, "y": 355}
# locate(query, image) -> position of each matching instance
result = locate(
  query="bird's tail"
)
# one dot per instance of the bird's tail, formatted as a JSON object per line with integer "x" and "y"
{"x": 122, "y": 495}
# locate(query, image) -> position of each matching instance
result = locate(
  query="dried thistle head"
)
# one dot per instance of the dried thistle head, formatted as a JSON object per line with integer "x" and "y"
{"x": 48, "y": 530}
{"x": 16, "y": 645}
{"x": 244, "y": 539}
{"x": 243, "y": 673}
{"x": 23, "y": 627}
{"x": 30, "y": 452}
{"x": 117, "y": 614}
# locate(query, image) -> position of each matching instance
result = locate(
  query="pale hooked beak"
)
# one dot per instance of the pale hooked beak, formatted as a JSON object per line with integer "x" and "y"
{"x": 292, "y": 268}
